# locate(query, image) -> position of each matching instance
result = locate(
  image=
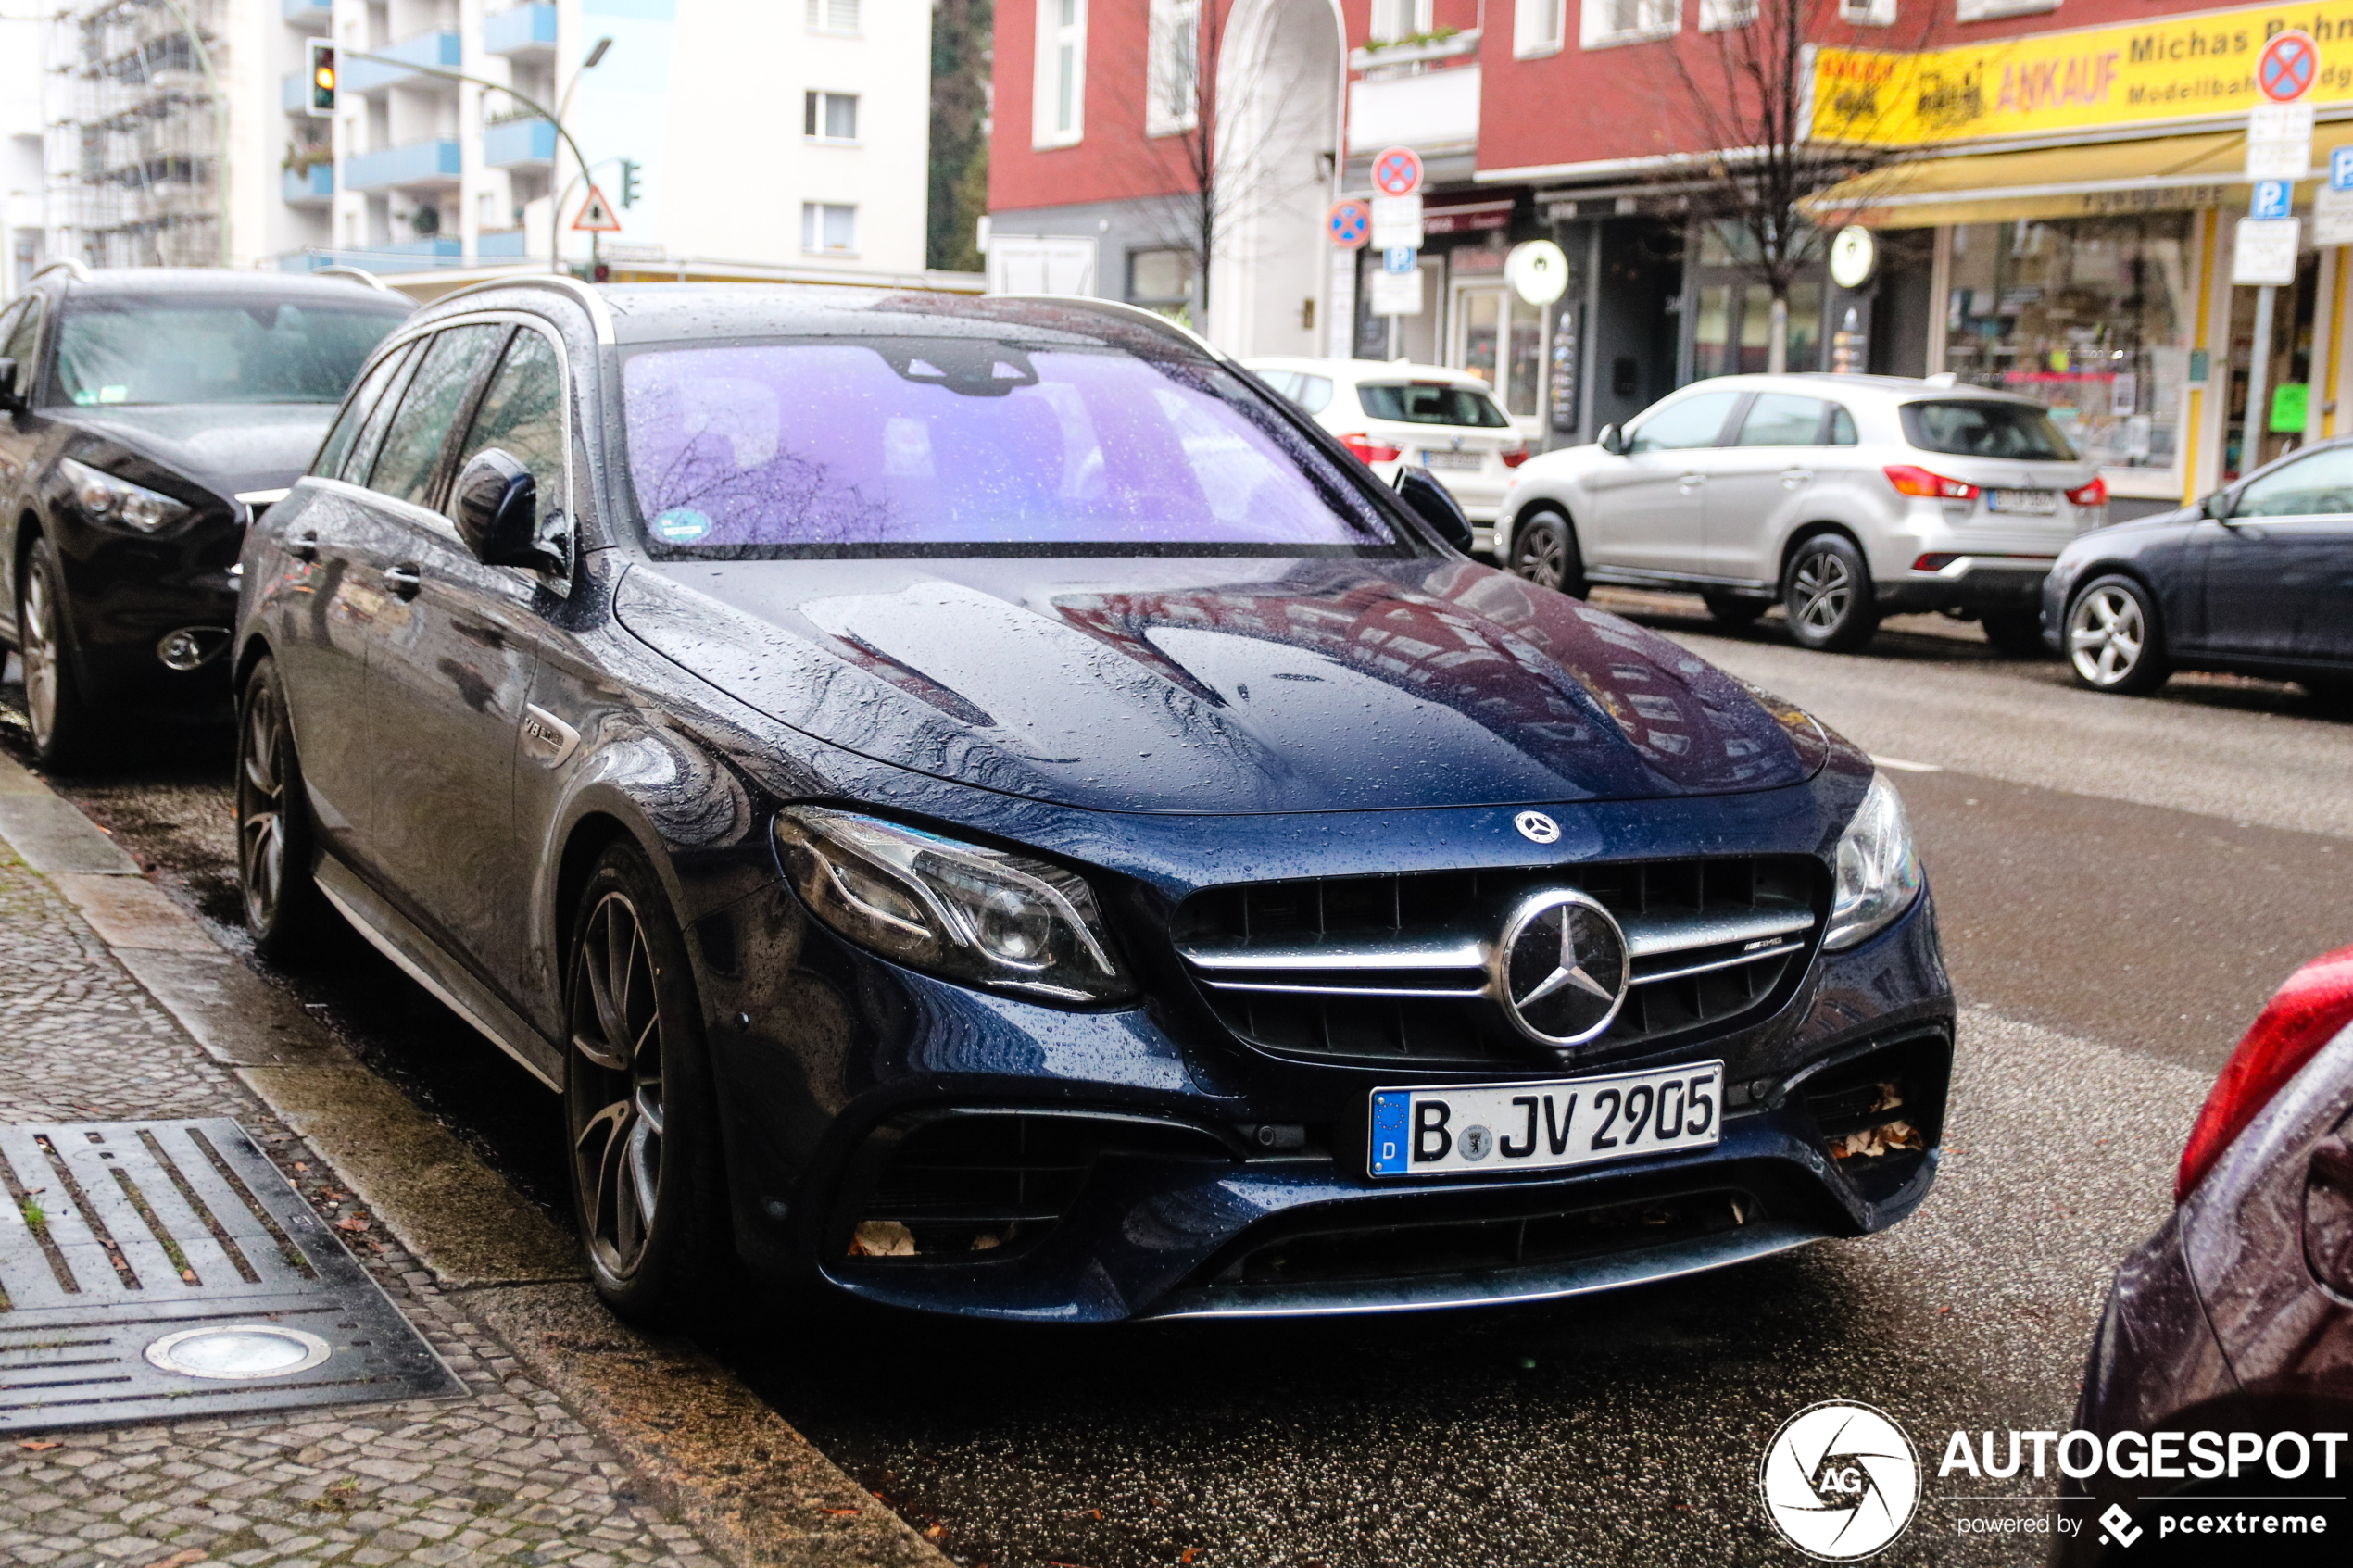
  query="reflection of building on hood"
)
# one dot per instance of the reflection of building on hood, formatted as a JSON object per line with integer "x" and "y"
{"x": 1472, "y": 659}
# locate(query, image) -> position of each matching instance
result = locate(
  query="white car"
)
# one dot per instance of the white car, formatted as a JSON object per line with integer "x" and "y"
{"x": 1392, "y": 413}
{"x": 1846, "y": 498}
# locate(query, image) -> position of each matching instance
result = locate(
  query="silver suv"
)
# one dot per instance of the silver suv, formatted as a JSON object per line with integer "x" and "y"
{"x": 1846, "y": 498}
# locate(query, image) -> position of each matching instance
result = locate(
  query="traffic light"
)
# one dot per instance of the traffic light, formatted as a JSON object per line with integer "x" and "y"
{"x": 630, "y": 169}
{"x": 322, "y": 78}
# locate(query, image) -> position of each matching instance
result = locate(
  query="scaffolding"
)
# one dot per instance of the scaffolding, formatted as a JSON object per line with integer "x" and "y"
{"x": 133, "y": 133}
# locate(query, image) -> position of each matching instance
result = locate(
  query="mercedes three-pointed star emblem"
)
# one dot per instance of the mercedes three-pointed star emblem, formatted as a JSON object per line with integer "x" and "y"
{"x": 1561, "y": 967}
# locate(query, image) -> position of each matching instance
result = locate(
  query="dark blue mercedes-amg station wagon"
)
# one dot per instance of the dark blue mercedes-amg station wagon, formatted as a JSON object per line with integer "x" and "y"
{"x": 978, "y": 805}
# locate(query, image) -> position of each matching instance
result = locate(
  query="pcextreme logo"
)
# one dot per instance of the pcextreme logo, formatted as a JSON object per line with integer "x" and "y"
{"x": 1840, "y": 1481}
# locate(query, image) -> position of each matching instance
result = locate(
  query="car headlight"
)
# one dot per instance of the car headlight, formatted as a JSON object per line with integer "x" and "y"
{"x": 1879, "y": 873}
{"x": 118, "y": 500}
{"x": 956, "y": 910}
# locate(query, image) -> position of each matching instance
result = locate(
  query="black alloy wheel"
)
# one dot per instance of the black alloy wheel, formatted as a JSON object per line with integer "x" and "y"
{"x": 1735, "y": 610}
{"x": 282, "y": 904}
{"x": 1544, "y": 551}
{"x": 2017, "y": 633}
{"x": 1828, "y": 596}
{"x": 2113, "y": 642}
{"x": 63, "y": 727}
{"x": 647, "y": 1193}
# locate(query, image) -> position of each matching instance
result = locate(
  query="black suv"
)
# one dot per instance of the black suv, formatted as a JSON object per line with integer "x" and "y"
{"x": 145, "y": 415}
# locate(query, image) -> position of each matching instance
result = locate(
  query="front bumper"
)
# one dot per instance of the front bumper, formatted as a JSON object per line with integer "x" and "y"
{"x": 1224, "y": 1227}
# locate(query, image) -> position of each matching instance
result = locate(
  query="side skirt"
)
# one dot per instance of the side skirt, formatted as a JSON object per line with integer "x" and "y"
{"x": 422, "y": 959}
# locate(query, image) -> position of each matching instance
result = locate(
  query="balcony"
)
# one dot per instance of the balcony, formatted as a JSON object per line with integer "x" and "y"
{"x": 503, "y": 245}
{"x": 519, "y": 144}
{"x": 521, "y": 29}
{"x": 294, "y": 92}
{"x": 1432, "y": 111}
{"x": 419, "y": 163}
{"x": 308, "y": 187}
{"x": 425, "y": 49}
{"x": 311, "y": 15}
{"x": 442, "y": 250}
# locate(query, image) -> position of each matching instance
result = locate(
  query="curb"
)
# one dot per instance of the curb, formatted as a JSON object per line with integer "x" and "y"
{"x": 759, "y": 1493}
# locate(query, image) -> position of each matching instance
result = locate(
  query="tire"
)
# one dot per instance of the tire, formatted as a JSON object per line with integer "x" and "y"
{"x": 63, "y": 728}
{"x": 640, "y": 1119}
{"x": 1544, "y": 552}
{"x": 2017, "y": 632}
{"x": 1828, "y": 592}
{"x": 2113, "y": 641}
{"x": 1735, "y": 610}
{"x": 283, "y": 909}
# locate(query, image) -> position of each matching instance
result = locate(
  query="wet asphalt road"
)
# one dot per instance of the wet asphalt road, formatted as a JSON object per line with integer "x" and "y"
{"x": 2121, "y": 885}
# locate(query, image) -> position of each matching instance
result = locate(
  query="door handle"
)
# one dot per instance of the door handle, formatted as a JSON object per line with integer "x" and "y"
{"x": 303, "y": 546}
{"x": 1692, "y": 480}
{"x": 403, "y": 581}
{"x": 1796, "y": 476}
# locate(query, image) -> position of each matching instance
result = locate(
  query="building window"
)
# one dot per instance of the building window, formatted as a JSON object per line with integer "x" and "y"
{"x": 830, "y": 116}
{"x": 1601, "y": 23}
{"x": 1716, "y": 16}
{"x": 1868, "y": 13}
{"x": 1401, "y": 19}
{"x": 832, "y": 16}
{"x": 1537, "y": 26}
{"x": 1175, "y": 68}
{"x": 1987, "y": 11}
{"x": 1059, "y": 113}
{"x": 828, "y": 227}
{"x": 1163, "y": 280}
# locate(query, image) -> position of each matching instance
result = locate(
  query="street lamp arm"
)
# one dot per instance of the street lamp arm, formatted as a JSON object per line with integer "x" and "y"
{"x": 554, "y": 119}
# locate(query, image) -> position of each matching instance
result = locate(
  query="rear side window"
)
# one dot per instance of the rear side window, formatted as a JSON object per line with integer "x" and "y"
{"x": 429, "y": 411}
{"x": 22, "y": 338}
{"x": 1696, "y": 421}
{"x": 1776, "y": 419}
{"x": 1429, "y": 405}
{"x": 354, "y": 414}
{"x": 1841, "y": 426}
{"x": 1971, "y": 429}
{"x": 1315, "y": 394}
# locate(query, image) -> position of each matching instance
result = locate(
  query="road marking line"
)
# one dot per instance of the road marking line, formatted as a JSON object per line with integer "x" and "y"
{"x": 1903, "y": 767}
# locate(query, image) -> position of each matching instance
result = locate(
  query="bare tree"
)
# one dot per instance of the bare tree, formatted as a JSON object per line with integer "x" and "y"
{"x": 1745, "y": 96}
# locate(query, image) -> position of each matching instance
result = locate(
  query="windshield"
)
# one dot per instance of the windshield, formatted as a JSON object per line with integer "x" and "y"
{"x": 1985, "y": 430}
{"x": 126, "y": 349}
{"x": 1431, "y": 406}
{"x": 973, "y": 445}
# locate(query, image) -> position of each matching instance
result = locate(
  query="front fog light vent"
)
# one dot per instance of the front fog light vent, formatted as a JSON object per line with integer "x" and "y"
{"x": 191, "y": 647}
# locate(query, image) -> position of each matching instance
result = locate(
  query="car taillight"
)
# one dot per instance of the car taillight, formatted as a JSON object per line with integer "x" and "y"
{"x": 2316, "y": 1002}
{"x": 2092, "y": 494}
{"x": 1370, "y": 450}
{"x": 1515, "y": 457}
{"x": 1910, "y": 481}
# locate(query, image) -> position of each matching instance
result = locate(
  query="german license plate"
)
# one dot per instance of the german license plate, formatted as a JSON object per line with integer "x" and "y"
{"x": 1455, "y": 459}
{"x": 1480, "y": 1129}
{"x": 2034, "y": 503}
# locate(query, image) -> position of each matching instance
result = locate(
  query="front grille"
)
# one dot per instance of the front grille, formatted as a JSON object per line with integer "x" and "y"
{"x": 1394, "y": 969}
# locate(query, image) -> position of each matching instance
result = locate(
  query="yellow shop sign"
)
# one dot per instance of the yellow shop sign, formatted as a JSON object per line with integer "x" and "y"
{"x": 2182, "y": 68}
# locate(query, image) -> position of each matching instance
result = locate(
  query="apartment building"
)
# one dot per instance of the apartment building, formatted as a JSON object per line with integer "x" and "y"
{"x": 2052, "y": 186}
{"x": 753, "y": 137}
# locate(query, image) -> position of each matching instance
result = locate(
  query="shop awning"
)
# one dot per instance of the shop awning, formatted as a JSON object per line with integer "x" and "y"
{"x": 2160, "y": 174}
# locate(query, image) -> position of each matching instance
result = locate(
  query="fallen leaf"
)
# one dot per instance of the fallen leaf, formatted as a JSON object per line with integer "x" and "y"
{"x": 40, "y": 1448}
{"x": 1189, "y": 1554}
{"x": 936, "y": 1530}
{"x": 187, "y": 1276}
{"x": 355, "y": 1223}
{"x": 1941, "y": 1311}
{"x": 841, "y": 1510}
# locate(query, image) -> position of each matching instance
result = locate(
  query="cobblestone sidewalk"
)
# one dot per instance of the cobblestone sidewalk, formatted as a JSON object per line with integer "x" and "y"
{"x": 506, "y": 1475}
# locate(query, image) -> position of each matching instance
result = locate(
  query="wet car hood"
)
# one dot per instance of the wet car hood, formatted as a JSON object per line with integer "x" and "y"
{"x": 226, "y": 447}
{"x": 1221, "y": 686}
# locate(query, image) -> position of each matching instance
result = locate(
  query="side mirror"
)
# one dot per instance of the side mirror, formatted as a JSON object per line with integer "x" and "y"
{"x": 1612, "y": 440}
{"x": 10, "y": 401}
{"x": 496, "y": 512}
{"x": 2216, "y": 505}
{"x": 1419, "y": 489}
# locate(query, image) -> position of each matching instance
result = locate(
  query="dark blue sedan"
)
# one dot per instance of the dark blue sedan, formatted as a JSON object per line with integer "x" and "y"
{"x": 978, "y": 805}
{"x": 2256, "y": 579}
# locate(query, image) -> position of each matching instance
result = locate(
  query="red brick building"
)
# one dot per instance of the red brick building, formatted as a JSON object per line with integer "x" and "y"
{"x": 2061, "y": 219}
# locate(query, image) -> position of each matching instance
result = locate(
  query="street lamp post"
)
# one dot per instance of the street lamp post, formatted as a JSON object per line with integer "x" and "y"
{"x": 555, "y": 216}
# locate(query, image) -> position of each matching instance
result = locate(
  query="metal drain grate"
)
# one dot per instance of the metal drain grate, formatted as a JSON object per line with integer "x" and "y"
{"x": 165, "y": 1269}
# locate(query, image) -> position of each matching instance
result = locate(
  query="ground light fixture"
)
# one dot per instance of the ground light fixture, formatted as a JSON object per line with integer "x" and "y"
{"x": 238, "y": 1352}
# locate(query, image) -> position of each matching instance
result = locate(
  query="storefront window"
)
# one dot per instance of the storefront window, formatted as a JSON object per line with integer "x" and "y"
{"x": 2089, "y": 315}
{"x": 1501, "y": 340}
{"x": 1709, "y": 329}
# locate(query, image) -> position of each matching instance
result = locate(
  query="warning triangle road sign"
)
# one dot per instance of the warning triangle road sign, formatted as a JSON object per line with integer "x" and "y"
{"x": 596, "y": 215}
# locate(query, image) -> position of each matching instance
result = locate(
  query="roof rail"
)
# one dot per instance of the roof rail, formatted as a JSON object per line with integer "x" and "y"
{"x": 599, "y": 313}
{"x": 358, "y": 275}
{"x": 72, "y": 263}
{"x": 1145, "y": 316}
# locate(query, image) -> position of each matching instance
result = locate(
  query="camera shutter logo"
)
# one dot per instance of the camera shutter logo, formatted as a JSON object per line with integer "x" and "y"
{"x": 1840, "y": 1481}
